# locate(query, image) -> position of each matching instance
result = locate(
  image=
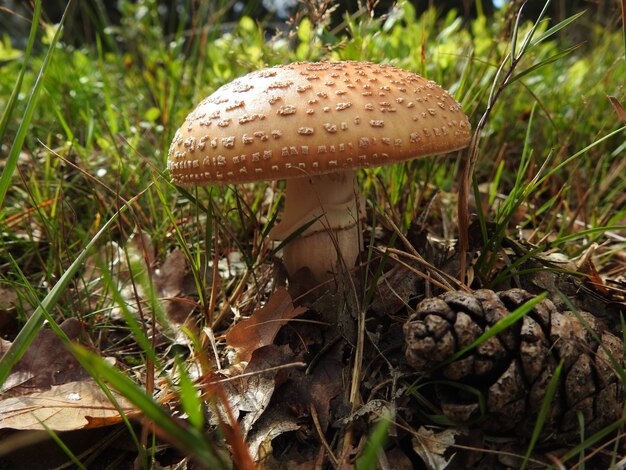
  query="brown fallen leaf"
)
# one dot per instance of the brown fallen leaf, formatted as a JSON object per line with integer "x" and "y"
{"x": 433, "y": 446}
{"x": 9, "y": 301}
{"x": 170, "y": 281}
{"x": 320, "y": 386}
{"x": 45, "y": 363}
{"x": 248, "y": 390}
{"x": 247, "y": 396}
{"x": 261, "y": 327}
{"x": 275, "y": 422}
{"x": 49, "y": 388}
{"x": 66, "y": 407}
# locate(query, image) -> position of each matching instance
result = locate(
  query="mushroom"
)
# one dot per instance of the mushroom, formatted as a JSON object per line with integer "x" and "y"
{"x": 314, "y": 124}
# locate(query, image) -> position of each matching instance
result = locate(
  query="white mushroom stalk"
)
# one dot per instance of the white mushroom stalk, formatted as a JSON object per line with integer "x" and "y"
{"x": 332, "y": 207}
{"x": 323, "y": 120}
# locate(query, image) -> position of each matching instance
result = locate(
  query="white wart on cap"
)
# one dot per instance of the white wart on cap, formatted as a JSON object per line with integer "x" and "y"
{"x": 307, "y": 119}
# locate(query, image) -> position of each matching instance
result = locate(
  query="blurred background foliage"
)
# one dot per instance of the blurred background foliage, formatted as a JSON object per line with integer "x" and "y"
{"x": 90, "y": 18}
{"x": 159, "y": 57}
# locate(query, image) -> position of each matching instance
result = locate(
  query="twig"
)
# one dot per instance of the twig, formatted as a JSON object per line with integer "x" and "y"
{"x": 257, "y": 372}
{"x": 320, "y": 433}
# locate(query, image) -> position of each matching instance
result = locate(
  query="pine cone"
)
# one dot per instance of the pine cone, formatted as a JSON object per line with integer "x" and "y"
{"x": 512, "y": 370}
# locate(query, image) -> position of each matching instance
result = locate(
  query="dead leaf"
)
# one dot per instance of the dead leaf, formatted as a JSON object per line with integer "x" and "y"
{"x": 248, "y": 396}
{"x": 274, "y": 423}
{"x": 48, "y": 385}
{"x": 394, "y": 289}
{"x": 398, "y": 460}
{"x": 46, "y": 362}
{"x": 8, "y": 299}
{"x": 319, "y": 387}
{"x": 66, "y": 407}
{"x": 261, "y": 327}
{"x": 10, "y": 305}
{"x": 431, "y": 446}
{"x": 586, "y": 266}
{"x": 169, "y": 281}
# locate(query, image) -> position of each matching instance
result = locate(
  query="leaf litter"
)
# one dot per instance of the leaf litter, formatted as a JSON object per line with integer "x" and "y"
{"x": 287, "y": 383}
{"x": 48, "y": 388}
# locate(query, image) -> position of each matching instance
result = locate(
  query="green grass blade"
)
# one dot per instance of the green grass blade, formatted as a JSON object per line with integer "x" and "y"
{"x": 11, "y": 163}
{"x": 543, "y": 413}
{"x": 194, "y": 261}
{"x": 543, "y": 63}
{"x": 499, "y": 327}
{"x": 616, "y": 362}
{"x": 188, "y": 438}
{"x": 369, "y": 459}
{"x": 66, "y": 450}
{"x": 514, "y": 36}
{"x": 26, "y": 335}
{"x": 8, "y": 111}
{"x": 580, "y": 153}
{"x": 134, "y": 325}
{"x": 556, "y": 28}
{"x": 581, "y": 426}
{"x": 190, "y": 399}
{"x": 529, "y": 36}
{"x": 584, "y": 233}
{"x": 592, "y": 440}
{"x": 623, "y": 8}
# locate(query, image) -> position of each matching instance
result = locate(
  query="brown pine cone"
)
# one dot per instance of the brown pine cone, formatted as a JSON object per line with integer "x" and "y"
{"x": 512, "y": 370}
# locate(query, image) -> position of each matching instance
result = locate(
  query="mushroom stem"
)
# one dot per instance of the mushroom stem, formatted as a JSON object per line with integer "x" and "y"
{"x": 334, "y": 238}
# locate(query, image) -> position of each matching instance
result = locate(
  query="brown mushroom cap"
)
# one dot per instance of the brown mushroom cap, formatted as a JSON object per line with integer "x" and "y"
{"x": 314, "y": 118}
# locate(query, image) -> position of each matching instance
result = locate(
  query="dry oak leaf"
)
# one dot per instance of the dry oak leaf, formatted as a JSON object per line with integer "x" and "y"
{"x": 433, "y": 446}
{"x": 66, "y": 407}
{"x": 272, "y": 424}
{"x": 249, "y": 395}
{"x": 263, "y": 325}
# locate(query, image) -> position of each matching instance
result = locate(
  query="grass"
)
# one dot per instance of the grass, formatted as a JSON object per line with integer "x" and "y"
{"x": 85, "y": 130}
